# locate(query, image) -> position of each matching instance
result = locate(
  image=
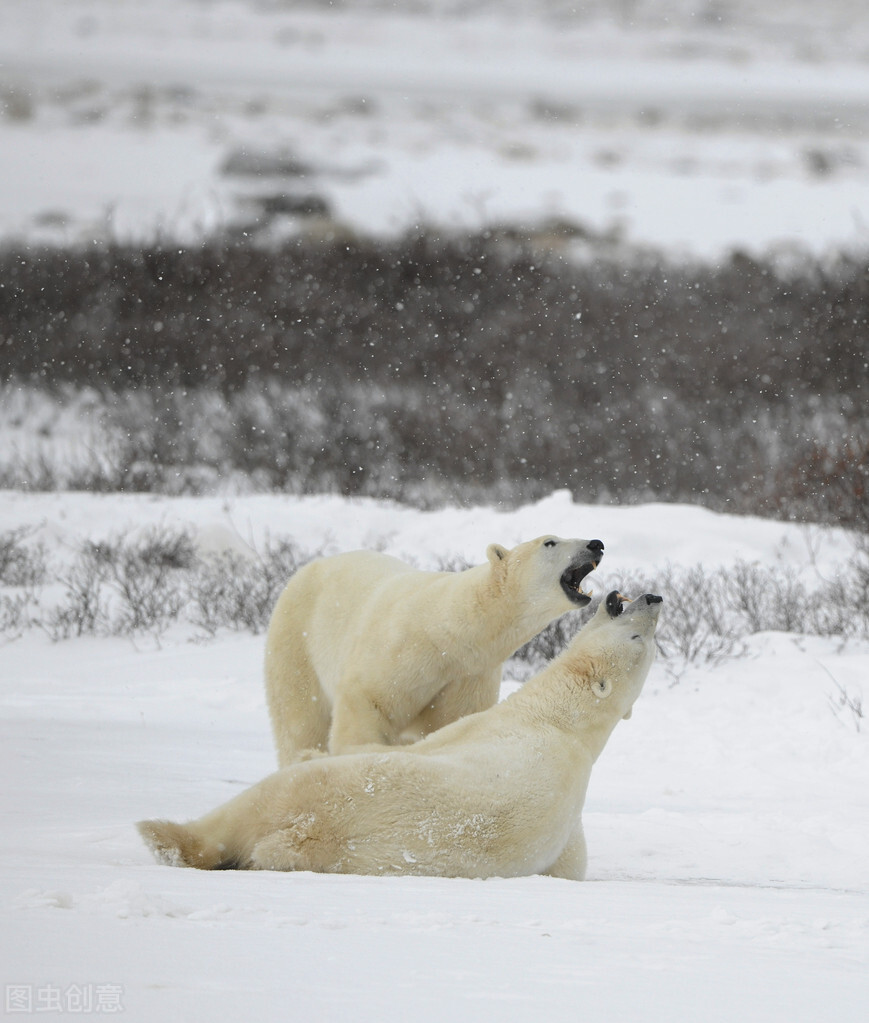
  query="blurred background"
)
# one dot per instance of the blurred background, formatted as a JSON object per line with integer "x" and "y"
{"x": 438, "y": 251}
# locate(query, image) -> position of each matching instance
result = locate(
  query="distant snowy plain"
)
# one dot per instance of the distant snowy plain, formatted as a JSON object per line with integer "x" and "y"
{"x": 727, "y": 821}
{"x": 694, "y": 128}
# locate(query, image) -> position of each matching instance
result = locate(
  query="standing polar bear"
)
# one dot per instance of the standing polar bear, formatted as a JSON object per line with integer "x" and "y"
{"x": 498, "y": 793}
{"x": 364, "y": 650}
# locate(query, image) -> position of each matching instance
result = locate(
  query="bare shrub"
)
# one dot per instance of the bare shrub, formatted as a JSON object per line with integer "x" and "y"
{"x": 708, "y": 614}
{"x": 554, "y": 638}
{"x": 451, "y": 563}
{"x": 122, "y": 586}
{"x": 21, "y": 564}
{"x": 230, "y": 591}
{"x": 16, "y": 613}
{"x": 23, "y": 569}
{"x": 144, "y": 574}
{"x": 439, "y": 369}
{"x": 84, "y": 609}
{"x": 860, "y": 573}
{"x": 146, "y": 583}
{"x": 844, "y": 606}
{"x": 847, "y": 704}
{"x": 770, "y": 599}
{"x": 828, "y": 482}
{"x": 150, "y": 581}
{"x": 695, "y": 627}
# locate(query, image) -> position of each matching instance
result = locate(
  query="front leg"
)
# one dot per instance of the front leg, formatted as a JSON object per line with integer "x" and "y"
{"x": 359, "y": 720}
{"x": 458, "y": 699}
{"x": 573, "y": 859}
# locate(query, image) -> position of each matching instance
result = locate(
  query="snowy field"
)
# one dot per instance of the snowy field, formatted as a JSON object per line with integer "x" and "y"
{"x": 727, "y": 821}
{"x": 694, "y": 127}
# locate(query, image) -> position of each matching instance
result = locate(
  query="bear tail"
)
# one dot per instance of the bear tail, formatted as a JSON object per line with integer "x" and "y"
{"x": 177, "y": 845}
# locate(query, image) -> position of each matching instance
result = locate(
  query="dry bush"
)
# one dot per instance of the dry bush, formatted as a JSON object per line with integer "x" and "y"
{"x": 434, "y": 369}
{"x": 829, "y": 482}
{"x": 147, "y": 582}
{"x": 232, "y": 591}
{"x": 21, "y": 564}
{"x": 709, "y": 613}
{"x": 23, "y": 571}
{"x": 145, "y": 577}
{"x": 123, "y": 586}
{"x": 847, "y": 705}
{"x": 554, "y": 638}
{"x": 84, "y": 609}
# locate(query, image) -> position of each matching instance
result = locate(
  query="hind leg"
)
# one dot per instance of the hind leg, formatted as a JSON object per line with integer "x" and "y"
{"x": 299, "y": 710}
{"x": 314, "y": 838}
{"x": 280, "y": 851}
{"x": 226, "y": 836}
{"x": 179, "y": 845}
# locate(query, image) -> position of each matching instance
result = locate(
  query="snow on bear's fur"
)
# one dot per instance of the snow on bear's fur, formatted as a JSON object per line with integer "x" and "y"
{"x": 498, "y": 793}
{"x": 364, "y": 650}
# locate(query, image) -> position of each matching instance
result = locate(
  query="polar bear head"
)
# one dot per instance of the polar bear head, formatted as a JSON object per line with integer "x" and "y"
{"x": 613, "y": 652}
{"x": 546, "y": 572}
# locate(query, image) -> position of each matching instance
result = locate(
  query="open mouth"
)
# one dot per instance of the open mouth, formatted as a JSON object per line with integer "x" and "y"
{"x": 615, "y": 602}
{"x": 571, "y": 582}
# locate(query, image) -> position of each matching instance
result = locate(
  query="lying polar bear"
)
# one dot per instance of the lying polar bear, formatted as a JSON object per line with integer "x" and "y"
{"x": 365, "y": 651}
{"x": 498, "y": 793}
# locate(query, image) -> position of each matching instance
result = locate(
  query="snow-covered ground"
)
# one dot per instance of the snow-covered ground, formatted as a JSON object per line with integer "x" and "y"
{"x": 695, "y": 127}
{"x": 727, "y": 821}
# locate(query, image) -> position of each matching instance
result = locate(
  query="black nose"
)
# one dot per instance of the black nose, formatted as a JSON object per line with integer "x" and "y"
{"x": 653, "y": 598}
{"x": 595, "y": 545}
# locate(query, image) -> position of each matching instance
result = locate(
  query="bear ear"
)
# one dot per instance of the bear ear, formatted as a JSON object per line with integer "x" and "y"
{"x": 601, "y": 687}
{"x": 496, "y": 553}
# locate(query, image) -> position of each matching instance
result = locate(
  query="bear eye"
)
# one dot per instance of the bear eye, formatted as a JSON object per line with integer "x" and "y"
{"x": 549, "y": 543}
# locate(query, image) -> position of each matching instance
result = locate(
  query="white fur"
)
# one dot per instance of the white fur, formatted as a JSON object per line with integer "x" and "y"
{"x": 499, "y": 792}
{"x": 364, "y": 651}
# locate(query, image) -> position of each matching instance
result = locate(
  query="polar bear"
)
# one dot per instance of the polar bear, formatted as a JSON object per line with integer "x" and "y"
{"x": 497, "y": 793}
{"x": 364, "y": 650}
